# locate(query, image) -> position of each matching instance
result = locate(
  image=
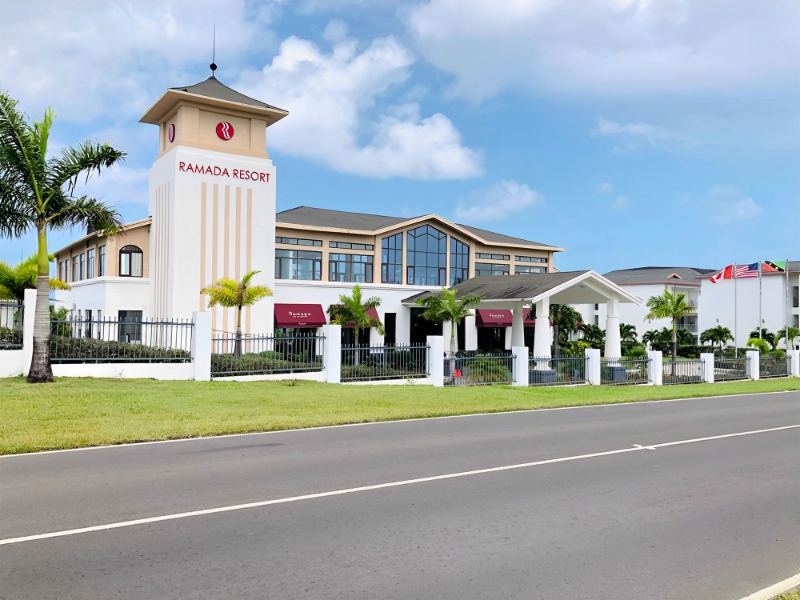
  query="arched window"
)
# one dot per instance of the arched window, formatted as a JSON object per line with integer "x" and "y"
{"x": 131, "y": 260}
{"x": 426, "y": 256}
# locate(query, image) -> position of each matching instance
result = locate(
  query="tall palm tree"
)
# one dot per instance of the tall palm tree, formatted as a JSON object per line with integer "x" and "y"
{"x": 14, "y": 280}
{"x": 669, "y": 305}
{"x": 627, "y": 336}
{"x": 651, "y": 336}
{"x": 353, "y": 310}
{"x": 564, "y": 319}
{"x": 716, "y": 335}
{"x": 444, "y": 306}
{"x": 37, "y": 192}
{"x": 765, "y": 334}
{"x": 230, "y": 294}
{"x": 593, "y": 335}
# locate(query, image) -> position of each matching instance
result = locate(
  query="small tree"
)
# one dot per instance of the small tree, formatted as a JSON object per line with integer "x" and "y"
{"x": 716, "y": 335}
{"x": 628, "y": 337}
{"x": 672, "y": 306}
{"x": 14, "y": 280}
{"x": 793, "y": 332}
{"x": 444, "y": 306}
{"x": 766, "y": 335}
{"x": 594, "y": 336}
{"x": 759, "y": 344}
{"x": 352, "y": 310}
{"x": 230, "y": 294}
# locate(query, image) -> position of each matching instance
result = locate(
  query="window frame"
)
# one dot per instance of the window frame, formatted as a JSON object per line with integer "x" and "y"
{"x": 492, "y": 267}
{"x": 351, "y": 246}
{"x": 101, "y": 261}
{"x": 130, "y": 250}
{"x": 298, "y": 241}
{"x": 491, "y": 256}
{"x": 456, "y": 253}
{"x": 530, "y": 259}
{"x": 539, "y": 269}
{"x": 293, "y": 264}
{"x": 90, "y": 263}
{"x": 413, "y": 256}
{"x": 348, "y": 262}
{"x": 393, "y": 267}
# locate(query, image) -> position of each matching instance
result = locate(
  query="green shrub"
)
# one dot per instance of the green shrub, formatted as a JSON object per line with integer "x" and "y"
{"x": 72, "y": 349}
{"x": 487, "y": 370}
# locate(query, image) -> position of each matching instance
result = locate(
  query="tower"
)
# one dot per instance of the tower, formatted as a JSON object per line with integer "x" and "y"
{"x": 212, "y": 201}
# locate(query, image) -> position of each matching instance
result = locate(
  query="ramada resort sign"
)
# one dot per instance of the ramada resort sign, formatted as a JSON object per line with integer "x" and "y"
{"x": 223, "y": 172}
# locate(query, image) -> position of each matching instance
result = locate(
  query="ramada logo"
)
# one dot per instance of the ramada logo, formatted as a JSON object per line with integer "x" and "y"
{"x": 299, "y": 315}
{"x": 188, "y": 167}
{"x": 224, "y": 130}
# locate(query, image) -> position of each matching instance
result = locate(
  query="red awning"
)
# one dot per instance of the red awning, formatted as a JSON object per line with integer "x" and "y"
{"x": 487, "y": 317}
{"x": 299, "y": 315}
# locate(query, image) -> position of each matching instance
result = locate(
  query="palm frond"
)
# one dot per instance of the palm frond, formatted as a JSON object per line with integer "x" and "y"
{"x": 86, "y": 211}
{"x": 86, "y": 159}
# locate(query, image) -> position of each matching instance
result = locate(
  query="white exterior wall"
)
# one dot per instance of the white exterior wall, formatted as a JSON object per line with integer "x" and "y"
{"x": 109, "y": 295}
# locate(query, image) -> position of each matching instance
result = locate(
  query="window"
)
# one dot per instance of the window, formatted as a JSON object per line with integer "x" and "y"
{"x": 90, "y": 263}
{"x": 796, "y": 296}
{"x": 525, "y": 269}
{"x": 76, "y": 269}
{"x": 597, "y": 306}
{"x": 351, "y": 246}
{"x": 83, "y": 266}
{"x": 392, "y": 259}
{"x": 101, "y": 265}
{"x": 130, "y": 326}
{"x": 459, "y": 261}
{"x": 536, "y": 259}
{"x": 356, "y": 268}
{"x": 390, "y": 327}
{"x": 426, "y": 256}
{"x": 796, "y": 320}
{"x": 131, "y": 261}
{"x": 297, "y": 241}
{"x": 66, "y": 271}
{"x": 492, "y": 256}
{"x": 597, "y": 321}
{"x": 484, "y": 269}
{"x": 298, "y": 264}
{"x": 62, "y": 271}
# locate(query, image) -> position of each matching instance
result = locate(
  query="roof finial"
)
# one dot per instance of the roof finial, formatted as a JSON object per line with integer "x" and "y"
{"x": 213, "y": 64}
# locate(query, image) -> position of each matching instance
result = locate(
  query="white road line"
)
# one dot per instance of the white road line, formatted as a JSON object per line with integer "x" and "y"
{"x": 775, "y": 590}
{"x": 366, "y": 488}
{"x": 389, "y": 422}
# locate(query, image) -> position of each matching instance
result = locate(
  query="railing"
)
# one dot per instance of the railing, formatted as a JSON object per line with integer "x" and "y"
{"x": 375, "y": 363}
{"x": 264, "y": 354}
{"x": 729, "y": 369}
{"x": 11, "y": 314}
{"x": 682, "y": 371}
{"x": 773, "y": 366}
{"x": 624, "y": 371}
{"x": 469, "y": 368}
{"x": 112, "y": 340}
{"x": 564, "y": 370}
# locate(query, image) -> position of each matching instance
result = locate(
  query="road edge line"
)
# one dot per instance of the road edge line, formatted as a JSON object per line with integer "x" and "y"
{"x": 775, "y": 590}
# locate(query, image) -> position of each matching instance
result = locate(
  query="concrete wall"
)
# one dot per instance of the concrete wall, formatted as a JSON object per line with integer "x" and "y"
{"x": 108, "y": 295}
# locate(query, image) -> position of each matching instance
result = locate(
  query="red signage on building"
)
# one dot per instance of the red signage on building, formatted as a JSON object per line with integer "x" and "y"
{"x": 224, "y": 130}
{"x": 243, "y": 174}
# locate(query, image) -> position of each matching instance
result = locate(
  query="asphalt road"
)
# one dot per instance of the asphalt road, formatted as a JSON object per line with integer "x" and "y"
{"x": 711, "y": 518}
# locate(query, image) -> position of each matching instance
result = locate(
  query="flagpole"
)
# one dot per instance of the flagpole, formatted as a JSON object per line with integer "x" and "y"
{"x": 788, "y": 310}
{"x": 759, "y": 299}
{"x": 735, "y": 315}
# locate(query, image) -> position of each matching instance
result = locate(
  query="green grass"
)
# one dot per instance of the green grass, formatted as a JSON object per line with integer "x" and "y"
{"x": 72, "y": 413}
{"x": 795, "y": 595}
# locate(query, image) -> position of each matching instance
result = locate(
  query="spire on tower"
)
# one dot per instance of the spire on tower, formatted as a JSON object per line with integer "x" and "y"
{"x": 213, "y": 64}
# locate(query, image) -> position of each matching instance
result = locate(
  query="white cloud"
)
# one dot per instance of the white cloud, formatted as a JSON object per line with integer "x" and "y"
{"x": 497, "y": 202}
{"x": 635, "y": 136}
{"x": 620, "y": 203}
{"x": 604, "y": 188}
{"x": 329, "y": 96}
{"x": 728, "y": 205}
{"x": 611, "y": 47}
{"x": 118, "y": 184}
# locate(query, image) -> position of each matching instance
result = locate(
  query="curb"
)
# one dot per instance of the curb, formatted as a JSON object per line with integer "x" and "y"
{"x": 774, "y": 590}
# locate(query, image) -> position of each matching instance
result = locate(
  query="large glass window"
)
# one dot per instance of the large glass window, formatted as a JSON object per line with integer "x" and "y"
{"x": 130, "y": 326}
{"x": 298, "y": 264}
{"x": 356, "y": 268}
{"x": 90, "y": 263}
{"x": 524, "y": 269}
{"x": 492, "y": 256}
{"x": 426, "y": 256}
{"x": 83, "y": 266}
{"x": 351, "y": 246}
{"x": 297, "y": 241}
{"x": 536, "y": 259}
{"x": 76, "y": 269}
{"x": 459, "y": 261}
{"x": 101, "y": 265}
{"x": 795, "y": 296}
{"x": 392, "y": 259}
{"x": 131, "y": 261}
{"x": 484, "y": 269}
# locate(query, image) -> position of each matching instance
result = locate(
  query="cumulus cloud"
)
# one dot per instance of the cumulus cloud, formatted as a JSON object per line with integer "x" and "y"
{"x": 604, "y": 188}
{"x": 118, "y": 184}
{"x": 497, "y": 202}
{"x": 728, "y": 205}
{"x": 620, "y": 203}
{"x": 329, "y": 97}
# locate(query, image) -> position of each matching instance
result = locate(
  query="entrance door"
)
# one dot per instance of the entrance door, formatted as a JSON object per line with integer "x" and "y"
{"x": 422, "y": 328}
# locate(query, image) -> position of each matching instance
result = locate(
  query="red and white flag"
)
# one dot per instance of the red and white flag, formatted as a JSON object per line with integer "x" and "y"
{"x": 726, "y": 273}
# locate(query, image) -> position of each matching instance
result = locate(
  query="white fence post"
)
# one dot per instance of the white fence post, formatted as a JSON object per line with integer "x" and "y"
{"x": 794, "y": 366}
{"x": 592, "y": 365}
{"x": 521, "y": 376}
{"x": 201, "y": 345}
{"x": 753, "y": 364}
{"x": 27, "y": 330}
{"x": 707, "y": 362}
{"x": 332, "y": 353}
{"x": 436, "y": 359}
{"x": 655, "y": 368}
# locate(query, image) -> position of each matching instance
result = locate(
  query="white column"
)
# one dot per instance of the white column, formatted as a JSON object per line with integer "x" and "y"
{"x": 541, "y": 335}
{"x": 613, "y": 344}
{"x": 707, "y": 362}
{"x": 753, "y": 365}
{"x": 517, "y": 327}
{"x": 520, "y": 354}
{"x": 27, "y": 329}
{"x": 794, "y": 365}
{"x": 436, "y": 359}
{"x": 655, "y": 370}
{"x": 592, "y": 366}
{"x": 332, "y": 355}
{"x": 470, "y": 334}
{"x": 201, "y": 345}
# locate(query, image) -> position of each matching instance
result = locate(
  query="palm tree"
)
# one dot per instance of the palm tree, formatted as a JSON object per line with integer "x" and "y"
{"x": 37, "y": 192}
{"x": 564, "y": 319}
{"x": 793, "y": 332}
{"x": 593, "y": 335}
{"x": 443, "y": 307}
{"x": 765, "y": 334}
{"x": 651, "y": 336}
{"x": 759, "y": 344}
{"x": 669, "y": 305}
{"x": 352, "y": 310}
{"x": 14, "y": 280}
{"x": 226, "y": 292}
{"x": 628, "y": 336}
{"x": 716, "y": 335}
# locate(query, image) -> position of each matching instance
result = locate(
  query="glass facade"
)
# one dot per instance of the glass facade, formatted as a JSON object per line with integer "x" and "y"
{"x": 459, "y": 261}
{"x": 426, "y": 256}
{"x": 298, "y": 264}
{"x": 355, "y": 268}
{"x": 484, "y": 269}
{"x": 392, "y": 259}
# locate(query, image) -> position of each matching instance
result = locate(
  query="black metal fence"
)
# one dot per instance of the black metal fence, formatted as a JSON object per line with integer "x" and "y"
{"x": 682, "y": 371}
{"x": 563, "y": 370}
{"x": 264, "y": 354}
{"x": 773, "y": 366}
{"x": 80, "y": 340}
{"x": 11, "y": 315}
{"x": 469, "y": 368}
{"x": 375, "y": 363}
{"x": 624, "y": 371}
{"x": 729, "y": 369}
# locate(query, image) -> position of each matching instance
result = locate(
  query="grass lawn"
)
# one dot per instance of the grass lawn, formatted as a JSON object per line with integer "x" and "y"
{"x": 72, "y": 413}
{"x": 789, "y": 596}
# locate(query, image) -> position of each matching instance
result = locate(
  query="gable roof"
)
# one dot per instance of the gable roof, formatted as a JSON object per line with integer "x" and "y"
{"x": 669, "y": 275}
{"x": 213, "y": 88}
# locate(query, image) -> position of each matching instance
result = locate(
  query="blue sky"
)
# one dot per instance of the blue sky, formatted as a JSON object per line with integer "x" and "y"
{"x": 629, "y": 132}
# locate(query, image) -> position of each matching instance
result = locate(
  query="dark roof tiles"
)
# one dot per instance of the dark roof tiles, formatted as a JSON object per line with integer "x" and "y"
{"x": 212, "y": 88}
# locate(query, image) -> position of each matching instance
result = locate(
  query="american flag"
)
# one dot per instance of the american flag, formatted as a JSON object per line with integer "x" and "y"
{"x": 750, "y": 270}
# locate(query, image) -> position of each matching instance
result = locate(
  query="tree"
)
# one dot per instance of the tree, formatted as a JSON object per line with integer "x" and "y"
{"x": 564, "y": 319}
{"x": 37, "y": 192}
{"x": 794, "y": 332}
{"x": 14, "y": 280}
{"x": 444, "y": 306}
{"x": 669, "y": 305}
{"x": 716, "y": 335}
{"x": 352, "y": 310}
{"x": 628, "y": 337}
{"x": 650, "y": 336}
{"x": 230, "y": 294}
{"x": 766, "y": 335}
{"x": 759, "y": 344}
{"x": 593, "y": 335}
